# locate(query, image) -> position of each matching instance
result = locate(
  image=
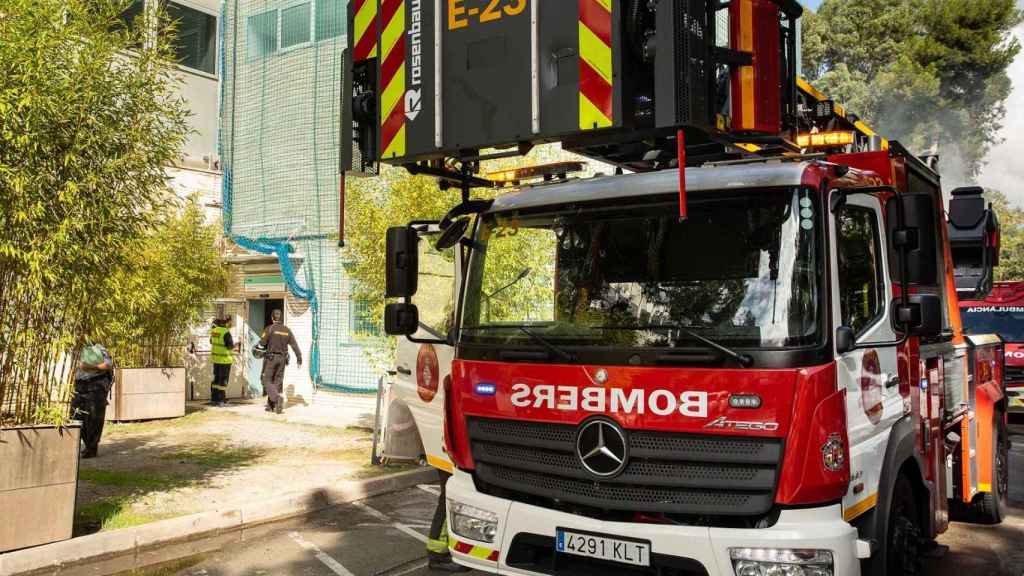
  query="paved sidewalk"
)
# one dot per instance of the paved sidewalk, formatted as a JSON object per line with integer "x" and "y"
{"x": 222, "y": 457}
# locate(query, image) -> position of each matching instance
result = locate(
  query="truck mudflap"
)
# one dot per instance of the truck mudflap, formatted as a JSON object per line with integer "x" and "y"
{"x": 524, "y": 538}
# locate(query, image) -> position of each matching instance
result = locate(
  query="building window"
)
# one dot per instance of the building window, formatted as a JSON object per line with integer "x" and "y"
{"x": 135, "y": 10}
{"x": 330, "y": 19}
{"x": 295, "y": 24}
{"x": 262, "y": 34}
{"x": 196, "y": 43}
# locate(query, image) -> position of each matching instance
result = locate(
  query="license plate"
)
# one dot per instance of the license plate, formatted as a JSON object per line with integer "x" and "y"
{"x": 603, "y": 547}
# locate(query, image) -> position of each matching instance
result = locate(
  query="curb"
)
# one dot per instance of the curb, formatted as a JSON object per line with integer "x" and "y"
{"x": 103, "y": 545}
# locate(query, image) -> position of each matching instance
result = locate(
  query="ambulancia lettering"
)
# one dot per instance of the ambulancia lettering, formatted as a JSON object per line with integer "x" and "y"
{"x": 691, "y": 403}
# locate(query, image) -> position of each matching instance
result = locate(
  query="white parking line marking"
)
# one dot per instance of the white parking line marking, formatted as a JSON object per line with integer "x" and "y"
{"x": 331, "y": 563}
{"x": 398, "y": 525}
{"x": 429, "y": 489}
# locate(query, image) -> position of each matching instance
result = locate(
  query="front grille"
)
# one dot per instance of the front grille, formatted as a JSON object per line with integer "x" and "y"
{"x": 536, "y": 553}
{"x": 1013, "y": 373}
{"x": 667, "y": 472}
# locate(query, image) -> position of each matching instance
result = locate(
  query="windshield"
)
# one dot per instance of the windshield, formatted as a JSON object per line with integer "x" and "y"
{"x": 1007, "y": 321}
{"x": 742, "y": 270}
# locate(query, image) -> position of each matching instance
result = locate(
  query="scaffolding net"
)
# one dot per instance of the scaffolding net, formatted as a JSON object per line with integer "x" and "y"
{"x": 281, "y": 70}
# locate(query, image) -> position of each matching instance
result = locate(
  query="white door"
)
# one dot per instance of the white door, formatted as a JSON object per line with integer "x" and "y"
{"x": 421, "y": 368}
{"x": 863, "y": 297}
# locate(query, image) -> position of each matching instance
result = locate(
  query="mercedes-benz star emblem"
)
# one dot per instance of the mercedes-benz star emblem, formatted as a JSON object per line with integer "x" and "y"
{"x": 602, "y": 448}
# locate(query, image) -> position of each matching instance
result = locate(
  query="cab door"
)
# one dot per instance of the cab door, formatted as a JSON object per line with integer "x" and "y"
{"x": 862, "y": 297}
{"x": 415, "y": 409}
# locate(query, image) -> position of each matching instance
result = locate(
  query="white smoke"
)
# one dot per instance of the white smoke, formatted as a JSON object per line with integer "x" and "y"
{"x": 1003, "y": 168}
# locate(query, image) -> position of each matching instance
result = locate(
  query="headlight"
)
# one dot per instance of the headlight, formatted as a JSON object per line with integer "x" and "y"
{"x": 781, "y": 562}
{"x": 473, "y": 523}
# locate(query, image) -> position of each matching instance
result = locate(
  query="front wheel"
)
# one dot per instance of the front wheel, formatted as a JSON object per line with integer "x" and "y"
{"x": 903, "y": 556}
{"x": 991, "y": 506}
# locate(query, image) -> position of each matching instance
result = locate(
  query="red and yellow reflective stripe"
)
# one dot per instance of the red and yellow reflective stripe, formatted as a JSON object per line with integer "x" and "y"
{"x": 392, "y": 78}
{"x": 596, "y": 73}
{"x": 478, "y": 552}
{"x": 365, "y": 26}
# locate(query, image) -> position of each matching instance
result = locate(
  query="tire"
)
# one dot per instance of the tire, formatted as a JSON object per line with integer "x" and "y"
{"x": 990, "y": 507}
{"x": 903, "y": 554}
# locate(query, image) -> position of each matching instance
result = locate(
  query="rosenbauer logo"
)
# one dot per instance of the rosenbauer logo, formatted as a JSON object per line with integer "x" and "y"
{"x": 414, "y": 95}
{"x": 610, "y": 400}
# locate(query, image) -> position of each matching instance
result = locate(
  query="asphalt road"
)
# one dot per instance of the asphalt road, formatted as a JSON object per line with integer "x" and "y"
{"x": 385, "y": 536}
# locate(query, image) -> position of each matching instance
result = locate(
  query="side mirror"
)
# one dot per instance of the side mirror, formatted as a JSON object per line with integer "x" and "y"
{"x": 918, "y": 237}
{"x": 401, "y": 319}
{"x": 922, "y": 316}
{"x": 402, "y": 262}
{"x": 845, "y": 339}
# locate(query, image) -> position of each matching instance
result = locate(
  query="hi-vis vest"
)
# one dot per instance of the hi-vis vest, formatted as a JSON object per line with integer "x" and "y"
{"x": 219, "y": 354}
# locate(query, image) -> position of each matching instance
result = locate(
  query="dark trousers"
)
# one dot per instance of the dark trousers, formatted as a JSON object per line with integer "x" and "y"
{"x": 219, "y": 387}
{"x": 437, "y": 545}
{"x": 273, "y": 378}
{"x": 90, "y": 406}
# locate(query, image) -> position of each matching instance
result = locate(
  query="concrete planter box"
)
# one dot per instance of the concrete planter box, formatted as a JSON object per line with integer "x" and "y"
{"x": 38, "y": 482}
{"x": 147, "y": 394}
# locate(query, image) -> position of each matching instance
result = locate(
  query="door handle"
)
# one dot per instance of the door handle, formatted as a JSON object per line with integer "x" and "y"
{"x": 404, "y": 370}
{"x": 892, "y": 380}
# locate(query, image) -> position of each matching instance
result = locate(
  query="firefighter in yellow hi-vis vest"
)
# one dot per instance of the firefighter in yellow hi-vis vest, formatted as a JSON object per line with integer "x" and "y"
{"x": 220, "y": 355}
{"x": 438, "y": 556}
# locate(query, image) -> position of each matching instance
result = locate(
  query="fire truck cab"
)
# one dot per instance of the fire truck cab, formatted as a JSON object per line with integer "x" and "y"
{"x": 779, "y": 382}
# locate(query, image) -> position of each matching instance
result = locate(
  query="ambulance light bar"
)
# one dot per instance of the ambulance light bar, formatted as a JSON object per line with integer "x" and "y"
{"x": 825, "y": 139}
{"x": 546, "y": 171}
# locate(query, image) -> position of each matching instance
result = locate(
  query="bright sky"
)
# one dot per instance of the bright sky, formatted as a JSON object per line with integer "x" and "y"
{"x": 1004, "y": 170}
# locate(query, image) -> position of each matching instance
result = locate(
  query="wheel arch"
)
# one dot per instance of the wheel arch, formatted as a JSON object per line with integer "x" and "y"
{"x": 901, "y": 458}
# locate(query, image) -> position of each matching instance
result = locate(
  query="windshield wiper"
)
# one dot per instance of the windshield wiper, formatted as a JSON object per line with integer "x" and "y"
{"x": 550, "y": 347}
{"x": 744, "y": 360}
{"x": 537, "y": 337}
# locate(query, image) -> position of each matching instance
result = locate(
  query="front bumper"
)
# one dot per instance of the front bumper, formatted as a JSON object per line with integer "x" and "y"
{"x": 520, "y": 525}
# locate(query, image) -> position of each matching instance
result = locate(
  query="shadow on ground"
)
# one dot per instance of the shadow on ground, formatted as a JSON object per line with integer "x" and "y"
{"x": 139, "y": 465}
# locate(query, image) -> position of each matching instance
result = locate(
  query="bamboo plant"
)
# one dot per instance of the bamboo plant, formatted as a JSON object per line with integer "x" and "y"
{"x": 89, "y": 119}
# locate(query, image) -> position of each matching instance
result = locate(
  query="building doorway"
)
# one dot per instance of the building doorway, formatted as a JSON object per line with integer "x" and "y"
{"x": 260, "y": 313}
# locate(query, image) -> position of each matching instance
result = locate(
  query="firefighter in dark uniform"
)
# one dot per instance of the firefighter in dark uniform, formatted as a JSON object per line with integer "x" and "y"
{"x": 93, "y": 380}
{"x": 275, "y": 341}
{"x": 439, "y": 558}
{"x": 221, "y": 345}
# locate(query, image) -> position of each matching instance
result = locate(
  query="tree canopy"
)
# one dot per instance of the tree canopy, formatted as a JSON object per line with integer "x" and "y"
{"x": 931, "y": 73}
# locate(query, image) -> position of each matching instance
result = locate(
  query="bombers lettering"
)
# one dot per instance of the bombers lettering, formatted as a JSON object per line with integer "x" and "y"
{"x": 610, "y": 400}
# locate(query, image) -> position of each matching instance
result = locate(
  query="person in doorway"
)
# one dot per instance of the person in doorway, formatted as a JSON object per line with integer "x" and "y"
{"x": 220, "y": 354}
{"x": 93, "y": 380}
{"x": 275, "y": 340}
{"x": 438, "y": 556}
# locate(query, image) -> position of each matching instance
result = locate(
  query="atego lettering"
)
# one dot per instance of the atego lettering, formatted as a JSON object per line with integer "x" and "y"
{"x": 414, "y": 95}
{"x": 659, "y": 402}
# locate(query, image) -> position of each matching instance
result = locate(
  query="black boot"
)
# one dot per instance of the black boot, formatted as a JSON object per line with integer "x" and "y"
{"x": 444, "y": 563}
{"x": 88, "y": 452}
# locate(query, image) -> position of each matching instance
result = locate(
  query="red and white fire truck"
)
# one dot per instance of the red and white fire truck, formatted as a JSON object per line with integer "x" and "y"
{"x": 745, "y": 357}
{"x": 1002, "y": 312}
